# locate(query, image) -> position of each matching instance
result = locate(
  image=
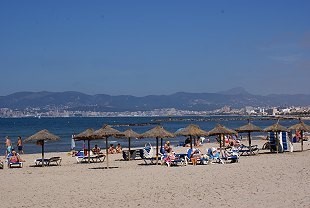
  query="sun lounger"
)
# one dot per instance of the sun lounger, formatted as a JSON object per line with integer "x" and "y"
{"x": 94, "y": 158}
{"x": 230, "y": 156}
{"x": 147, "y": 154}
{"x": 133, "y": 154}
{"x": 178, "y": 159}
{"x": 245, "y": 150}
{"x": 13, "y": 164}
{"x": 49, "y": 161}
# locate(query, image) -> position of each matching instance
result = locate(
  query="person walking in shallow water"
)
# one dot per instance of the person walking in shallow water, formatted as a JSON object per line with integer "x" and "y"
{"x": 20, "y": 145}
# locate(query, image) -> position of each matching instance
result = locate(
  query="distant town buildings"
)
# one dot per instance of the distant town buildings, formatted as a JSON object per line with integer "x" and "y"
{"x": 226, "y": 110}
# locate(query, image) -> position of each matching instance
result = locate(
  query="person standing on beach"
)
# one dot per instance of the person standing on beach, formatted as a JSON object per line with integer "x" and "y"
{"x": 8, "y": 145}
{"x": 20, "y": 145}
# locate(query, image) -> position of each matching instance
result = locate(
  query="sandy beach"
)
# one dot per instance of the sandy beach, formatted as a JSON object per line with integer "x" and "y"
{"x": 265, "y": 180}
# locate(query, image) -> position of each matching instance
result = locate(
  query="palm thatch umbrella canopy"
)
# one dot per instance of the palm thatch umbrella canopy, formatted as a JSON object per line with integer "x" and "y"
{"x": 191, "y": 130}
{"x": 129, "y": 133}
{"x": 302, "y": 127}
{"x": 157, "y": 132}
{"x": 105, "y": 132}
{"x": 220, "y": 130}
{"x": 276, "y": 128}
{"x": 248, "y": 128}
{"x": 88, "y": 135}
{"x": 41, "y": 137}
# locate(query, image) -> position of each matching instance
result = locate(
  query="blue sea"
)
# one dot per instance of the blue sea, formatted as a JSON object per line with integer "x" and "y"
{"x": 65, "y": 127}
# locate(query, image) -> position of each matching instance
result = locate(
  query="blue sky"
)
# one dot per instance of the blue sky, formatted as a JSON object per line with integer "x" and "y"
{"x": 154, "y": 47}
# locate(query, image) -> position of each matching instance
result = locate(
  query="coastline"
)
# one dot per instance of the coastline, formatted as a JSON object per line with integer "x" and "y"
{"x": 274, "y": 180}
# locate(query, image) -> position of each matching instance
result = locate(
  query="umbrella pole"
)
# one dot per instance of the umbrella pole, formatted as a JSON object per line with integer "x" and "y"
{"x": 42, "y": 153}
{"x": 129, "y": 148}
{"x": 107, "y": 152}
{"x": 156, "y": 150}
{"x": 277, "y": 142}
{"x": 88, "y": 143}
{"x": 302, "y": 140}
{"x": 190, "y": 137}
{"x": 161, "y": 144}
{"x": 221, "y": 143}
{"x": 250, "y": 147}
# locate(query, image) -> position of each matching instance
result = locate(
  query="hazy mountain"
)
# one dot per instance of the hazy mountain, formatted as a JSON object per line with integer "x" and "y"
{"x": 236, "y": 98}
{"x": 235, "y": 91}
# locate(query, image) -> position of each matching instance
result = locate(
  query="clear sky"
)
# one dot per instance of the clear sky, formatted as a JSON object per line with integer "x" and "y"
{"x": 155, "y": 47}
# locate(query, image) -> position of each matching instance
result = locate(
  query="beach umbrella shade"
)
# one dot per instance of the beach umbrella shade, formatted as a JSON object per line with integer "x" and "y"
{"x": 276, "y": 128}
{"x": 248, "y": 128}
{"x": 88, "y": 135}
{"x": 157, "y": 132}
{"x": 302, "y": 127}
{"x": 221, "y": 130}
{"x": 191, "y": 130}
{"x": 105, "y": 132}
{"x": 129, "y": 133}
{"x": 40, "y": 138}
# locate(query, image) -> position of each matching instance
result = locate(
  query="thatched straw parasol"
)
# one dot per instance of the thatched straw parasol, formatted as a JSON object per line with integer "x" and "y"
{"x": 157, "y": 132}
{"x": 276, "y": 128}
{"x": 191, "y": 130}
{"x": 129, "y": 133}
{"x": 248, "y": 128}
{"x": 41, "y": 137}
{"x": 105, "y": 132}
{"x": 88, "y": 135}
{"x": 220, "y": 130}
{"x": 302, "y": 127}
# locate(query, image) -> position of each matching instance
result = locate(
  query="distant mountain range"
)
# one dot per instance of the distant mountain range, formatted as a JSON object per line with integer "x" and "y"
{"x": 236, "y": 98}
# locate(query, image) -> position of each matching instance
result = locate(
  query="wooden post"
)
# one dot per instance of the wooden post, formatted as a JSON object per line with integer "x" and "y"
{"x": 220, "y": 136}
{"x": 42, "y": 153}
{"x": 250, "y": 147}
{"x": 302, "y": 140}
{"x": 277, "y": 142}
{"x": 88, "y": 143}
{"x": 107, "y": 152}
{"x": 156, "y": 150}
{"x": 129, "y": 148}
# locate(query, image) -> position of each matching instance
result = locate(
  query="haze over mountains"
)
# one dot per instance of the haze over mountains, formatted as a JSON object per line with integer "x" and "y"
{"x": 236, "y": 98}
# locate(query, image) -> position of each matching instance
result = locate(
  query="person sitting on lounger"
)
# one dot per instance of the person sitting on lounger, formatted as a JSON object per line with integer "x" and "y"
{"x": 118, "y": 148}
{"x": 213, "y": 154}
{"x": 195, "y": 156}
{"x": 96, "y": 149}
{"x": 111, "y": 149}
{"x": 170, "y": 156}
{"x": 167, "y": 147}
{"x": 15, "y": 158}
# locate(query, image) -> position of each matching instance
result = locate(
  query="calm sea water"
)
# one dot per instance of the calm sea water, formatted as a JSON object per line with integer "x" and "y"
{"x": 65, "y": 127}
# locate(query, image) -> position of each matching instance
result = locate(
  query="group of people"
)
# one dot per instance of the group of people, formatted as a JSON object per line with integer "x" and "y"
{"x": 111, "y": 149}
{"x": 10, "y": 153}
{"x": 9, "y": 146}
{"x": 194, "y": 154}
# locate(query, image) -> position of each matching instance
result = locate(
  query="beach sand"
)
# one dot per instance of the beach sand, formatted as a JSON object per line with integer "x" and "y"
{"x": 265, "y": 180}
